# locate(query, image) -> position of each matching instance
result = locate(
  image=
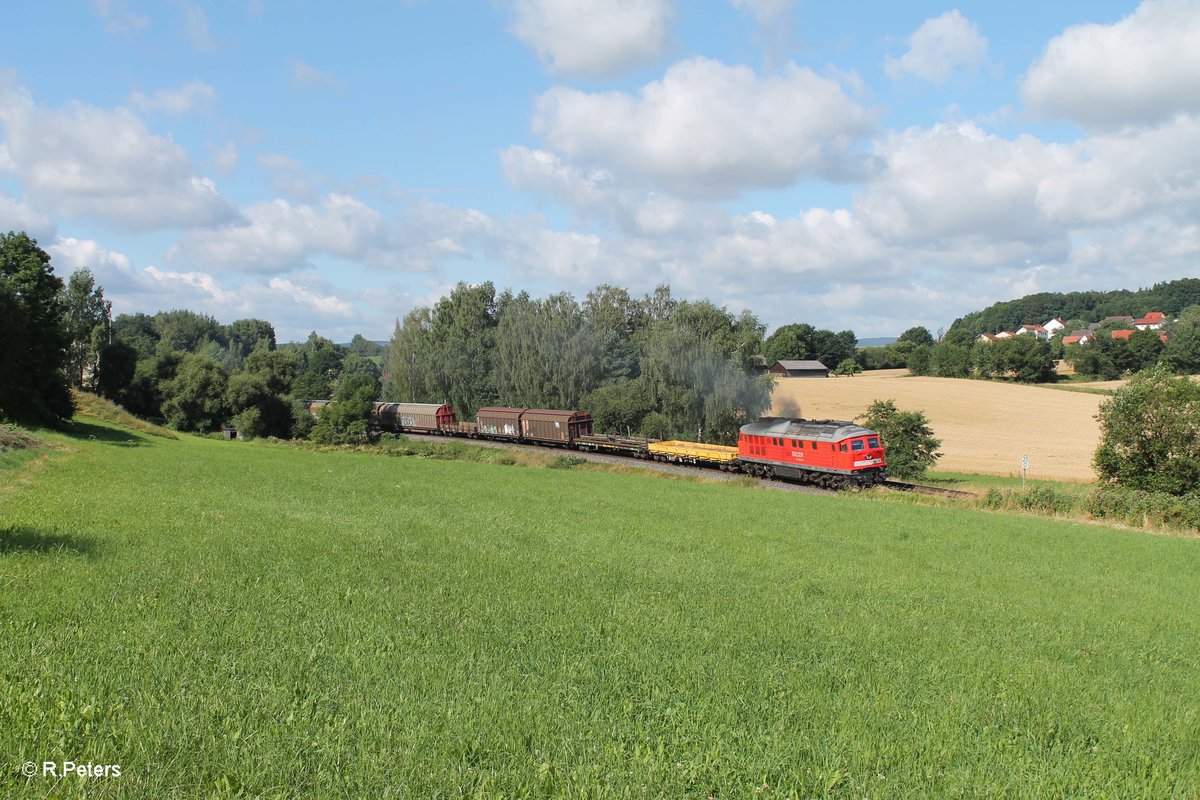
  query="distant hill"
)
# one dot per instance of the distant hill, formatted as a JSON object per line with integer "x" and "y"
{"x": 878, "y": 341}
{"x": 1170, "y": 298}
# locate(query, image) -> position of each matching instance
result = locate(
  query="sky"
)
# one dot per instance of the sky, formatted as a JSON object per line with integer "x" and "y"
{"x": 860, "y": 165}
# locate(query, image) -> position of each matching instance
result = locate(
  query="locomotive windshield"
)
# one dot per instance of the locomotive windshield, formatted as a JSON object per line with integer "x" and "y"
{"x": 873, "y": 442}
{"x": 857, "y": 444}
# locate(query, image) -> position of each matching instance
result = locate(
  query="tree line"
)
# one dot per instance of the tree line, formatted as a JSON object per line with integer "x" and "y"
{"x": 1171, "y": 297}
{"x": 652, "y": 365}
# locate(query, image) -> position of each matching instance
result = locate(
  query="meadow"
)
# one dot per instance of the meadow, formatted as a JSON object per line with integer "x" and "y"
{"x": 985, "y": 426}
{"x": 229, "y": 619}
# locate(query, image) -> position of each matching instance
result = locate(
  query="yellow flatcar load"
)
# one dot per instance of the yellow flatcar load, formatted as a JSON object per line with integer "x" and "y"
{"x": 711, "y": 455}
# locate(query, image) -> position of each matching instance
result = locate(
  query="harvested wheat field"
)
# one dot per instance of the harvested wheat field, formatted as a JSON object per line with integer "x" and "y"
{"x": 984, "y": 426}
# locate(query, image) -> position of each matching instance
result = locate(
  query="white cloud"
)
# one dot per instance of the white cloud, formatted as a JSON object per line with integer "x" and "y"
{"x": 1144, "y": 68}
{"x": 595, "y": 195}
{"x": 1115, "y": 177}
{"x": 310, "y": 77}
{"x": 195, "y": 24}
{"x": 708, "y": 129}
{"x": 118, "y": 18}
{"x": 294, "y": 306}
{"x": 939, "y": 47}
{"x": 175, "y": 102}
{"x": 960, "y": 181}
{"x": 84, "y": 162}
{"x": 279, "y": 235}
{"x": 594, "y": 38}
{"x": 16, "y": 216}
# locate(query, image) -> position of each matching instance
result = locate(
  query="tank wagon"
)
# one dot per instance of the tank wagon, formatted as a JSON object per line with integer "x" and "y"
{"x": 830, "y": 453}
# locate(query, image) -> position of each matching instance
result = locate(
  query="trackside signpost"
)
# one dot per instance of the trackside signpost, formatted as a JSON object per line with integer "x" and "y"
{"x": 1024, "y": 469}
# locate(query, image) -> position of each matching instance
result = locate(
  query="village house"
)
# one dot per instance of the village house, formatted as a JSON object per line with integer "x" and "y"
{"x": 1037, "y": 330}
{"x": 1152, "y": 321}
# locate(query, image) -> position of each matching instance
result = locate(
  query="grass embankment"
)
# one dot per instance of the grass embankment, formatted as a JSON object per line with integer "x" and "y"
{"x": 227, "y": 618}
{"x": 96, "y": 407}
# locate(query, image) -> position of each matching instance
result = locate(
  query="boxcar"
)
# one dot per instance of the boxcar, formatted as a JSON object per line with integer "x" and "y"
{"x": 555, "y": 427}
{"x": 414, "y": 417}
{"x": 499, "y": 423}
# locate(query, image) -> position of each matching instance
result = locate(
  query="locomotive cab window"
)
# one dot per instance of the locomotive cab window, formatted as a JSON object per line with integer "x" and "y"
{"x": 857, "y": 444}
{"x": 842, "y": 447}
{"x": 873, "y": 442}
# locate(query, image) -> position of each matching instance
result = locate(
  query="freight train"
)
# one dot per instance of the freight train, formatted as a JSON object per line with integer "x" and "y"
{"x": 833, "y": 454}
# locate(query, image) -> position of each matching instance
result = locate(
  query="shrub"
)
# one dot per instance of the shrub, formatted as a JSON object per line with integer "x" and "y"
{"x": 1150, "y": 434}
{"x": 909, "y": 444}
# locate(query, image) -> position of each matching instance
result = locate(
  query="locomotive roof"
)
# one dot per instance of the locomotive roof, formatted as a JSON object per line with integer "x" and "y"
{"x": 832, "y": 430}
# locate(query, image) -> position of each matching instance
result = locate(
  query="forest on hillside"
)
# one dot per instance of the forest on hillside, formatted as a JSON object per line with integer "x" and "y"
{"x": 1171, "y": 298}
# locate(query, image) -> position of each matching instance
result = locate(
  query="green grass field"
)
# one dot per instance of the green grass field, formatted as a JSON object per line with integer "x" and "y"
{"x": 230, "y": 619}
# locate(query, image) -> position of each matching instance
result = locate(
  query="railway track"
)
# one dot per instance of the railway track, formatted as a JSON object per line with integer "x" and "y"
{"x": 936, "y": 491}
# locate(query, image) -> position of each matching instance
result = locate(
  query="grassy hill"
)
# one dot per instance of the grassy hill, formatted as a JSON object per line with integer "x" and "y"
{"x": 243, "y": 619}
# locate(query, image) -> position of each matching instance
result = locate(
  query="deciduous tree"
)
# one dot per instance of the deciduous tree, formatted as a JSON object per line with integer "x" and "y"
{"x": 1150, "y": 434}
{"x": 910, "y": 448}
{"x": 33, "y": 334}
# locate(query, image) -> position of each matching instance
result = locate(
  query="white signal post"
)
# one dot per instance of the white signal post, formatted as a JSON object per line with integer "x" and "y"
{"x": 1024, "y": 469}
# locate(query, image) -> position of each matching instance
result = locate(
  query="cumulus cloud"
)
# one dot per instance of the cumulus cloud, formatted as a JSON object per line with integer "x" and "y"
{"x": 84, "y": 162}
{"x": 1142, "y": 69}
{"x": 279, "y": 235}
{"x": 1119, "y": 176}
{"x": 593, "y": 38}
{"x": 293, "y": 305}
{"x": 175, "y": 102}
{"x": 958, "y": 180}
{"x": 594, "y": 194}
{"x": 939, "y": 47}
{"x": 708, "y": 129}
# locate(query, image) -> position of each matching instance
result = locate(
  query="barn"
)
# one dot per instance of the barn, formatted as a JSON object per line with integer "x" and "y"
{"x": 799, "y": 369}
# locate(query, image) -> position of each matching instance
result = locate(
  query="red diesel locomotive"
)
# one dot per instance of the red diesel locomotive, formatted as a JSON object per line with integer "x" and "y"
{"x": 833, "y": 454}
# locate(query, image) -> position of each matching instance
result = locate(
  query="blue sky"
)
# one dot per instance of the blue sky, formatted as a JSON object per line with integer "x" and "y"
{"x": 859, "y": 165}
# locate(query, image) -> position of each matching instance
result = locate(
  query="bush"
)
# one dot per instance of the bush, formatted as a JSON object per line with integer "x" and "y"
{"x": 1145, "y": 509}
{"x": 1036, "y": 500}
{"x": 1150, "y": 434}
{"x": 910, "y": 447}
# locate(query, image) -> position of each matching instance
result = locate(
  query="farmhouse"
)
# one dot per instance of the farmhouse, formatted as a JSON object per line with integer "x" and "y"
{"x": 1037, "y": 330}
{"x": 1152, "y": 321}
{"x": 799, "y": 369}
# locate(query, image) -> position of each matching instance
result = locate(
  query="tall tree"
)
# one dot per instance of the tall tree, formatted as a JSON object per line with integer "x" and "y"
{"x": 697, "y": 368}
{"x": 463, "y": 331}
{"x": 89, "y": 320}
{"x": 33, "y": 333}
{"x": 409, "y": 359}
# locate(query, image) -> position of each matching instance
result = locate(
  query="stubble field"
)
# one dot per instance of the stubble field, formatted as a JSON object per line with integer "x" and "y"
{"x": 985, "y": 426}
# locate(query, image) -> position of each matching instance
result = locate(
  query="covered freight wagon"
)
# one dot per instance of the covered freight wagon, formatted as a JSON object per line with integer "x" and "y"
{"x": 502, "y": 423}
{"x": 415, "y": 417}
{"x": 555, "y": 427}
